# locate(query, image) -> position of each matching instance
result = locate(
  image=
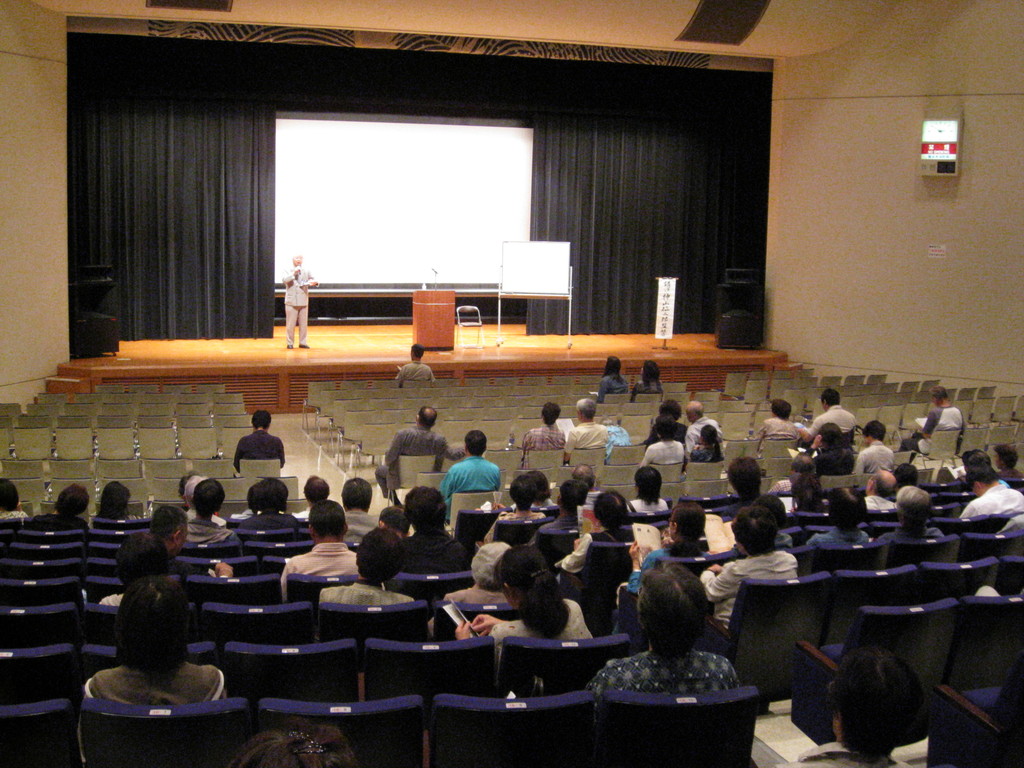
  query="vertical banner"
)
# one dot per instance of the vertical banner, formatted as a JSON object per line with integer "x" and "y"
{"x": 665, "y": 314}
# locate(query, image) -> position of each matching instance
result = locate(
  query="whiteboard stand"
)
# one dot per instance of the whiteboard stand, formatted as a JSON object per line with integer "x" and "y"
{"x": 531, "y": 270}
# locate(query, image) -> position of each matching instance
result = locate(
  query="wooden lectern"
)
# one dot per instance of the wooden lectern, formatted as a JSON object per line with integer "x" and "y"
{"x": 433, "y": 319}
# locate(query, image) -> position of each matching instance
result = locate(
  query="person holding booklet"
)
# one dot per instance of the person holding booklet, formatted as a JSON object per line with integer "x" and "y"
{"x": 610, "y": 513}
{"x": 671, "y": 609}
{"x": 680, "y": 539}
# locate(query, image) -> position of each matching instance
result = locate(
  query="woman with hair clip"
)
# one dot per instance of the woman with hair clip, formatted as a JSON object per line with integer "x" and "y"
{"x": 532, "y": 589}
{"x": 612, "y": 382}
{"x": 305, "y": 745}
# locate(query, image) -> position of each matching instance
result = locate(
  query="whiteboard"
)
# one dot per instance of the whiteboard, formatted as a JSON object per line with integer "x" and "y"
{"x": 535, "y": 268}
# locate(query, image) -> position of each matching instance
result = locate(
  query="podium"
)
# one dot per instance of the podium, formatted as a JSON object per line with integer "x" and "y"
{"x": 433, "y": 319}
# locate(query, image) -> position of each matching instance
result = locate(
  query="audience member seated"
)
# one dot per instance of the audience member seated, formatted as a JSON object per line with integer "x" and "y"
{"x": 268, "y": 499}
{"x": 874, "y": 698}
{"x": 486, "y": 586}
{"x": 914, "y": 508}
{"x": 186, "y": 490}
{"x": 681, "y": 538}
{"x": 378, "y": 560}
{"x": 846, "y": 510}
{"x": 259, "y": 444}
{"x": 169, "y": 525}
{"x": 671, "y": 609}
{"x": 307, "y": 745}
{"x": 650, "y": 381}
{"x": 617, "y": 435}
{"x": 546, "y": 437}
{"x": 778, "y": 426}
{"x": 10, "y": 501}
{"x": 571, "y": 496}
{"x": 415, "y": 369}
{"x": 532, "y": 589}
{"x": 430, "y": 549}
{"x": 417, "y": 440}
{"x": 523, "y": 492}
{"x": 356, "y": 496}
{"x": 207, "y": 527}
{"x": 943, "y": 416}
{"x": 709, "y": 446}
{"x": 774, "y": 505}
{"x": 393, "y": 517}
{"x": 833, "y": 456}
{"x": 755, "y": 530}
{"x": 875, "y": 454}
{"x": 994, "y": 498}
{"x": 648, "y": 501}
{"x": 674, "y": 411}
{"x": 114, "y": 501}
{"x": 744, "y": 475}
{"x": 586, "y": 434}
{"x": 695, "y": 415}
{"x": 668, "y": 450}
{"x": 1006, "y": 462}
{"x": 802, "y": 484}
{"x": 586, "y": 473}
{"x": 330, "y": 555}
{"x": 834, "y": 414}
{"x": 315, "y": 489}
{"x": 140, "y": 554}
{"x": 610, "y": 512}
{"x": 543, "y": 498}
{"x": 612, "y": 382}
{"x": 906, "y": 474}
{"x": 881, "y": 485}
{"x": 152, "y": 648}
{"x": 473, "y": 474}
{"x": 72, "y": 502}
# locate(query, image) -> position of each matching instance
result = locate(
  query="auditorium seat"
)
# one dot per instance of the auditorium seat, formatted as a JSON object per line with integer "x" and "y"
{"x": 471, "y": 525}
{"x": 237, "y": 590}
{"x": 1010, "y": 575}
{"x": 921, "y": 635}
{"x": 981, "y": 728}
{"x": 17, "y": 568}
{"x": 536, "y": 666}
{"x": 468, "y": 732}
{"x": 649, "y": 730}
{"x": 20, "y": 550}
{"x": 19, "y": 592}
{"x": 39, "y": 735}
{"x": 218, "y": 549}
{"x": 394, "y": 668}
{"x": 404, "y": 621}
{"x": 974, "y": 546}
{"x": 849, "y": 590}
{"x": 277, "y": 548}
{"x": 431, "y": 587}
{"x": 769, "y": 616}
{"x": 242, "y": 566}
{"x": 37, "y": 625}
{"x": 699, "y": 564}
{"x": 939, "y": 550}
{"x": 288, "y": 624}
{"x": 989, "y": 635}
{"x": 30, "y": 536}
{"x": 516, "y": 532}
{"x": 36, "y": 674}
{"x": 939, "y": 580}
{"x": 303, "y": 586}
{"x": 203, "y": 735}
{"x": 387, "y": 733}
{"x": 444, "y": 627}
{"x": 850, "y": 557}
{"x": 607, "y": 565}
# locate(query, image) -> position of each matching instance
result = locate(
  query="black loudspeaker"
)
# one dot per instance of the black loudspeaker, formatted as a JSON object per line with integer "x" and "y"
{"x": 739, "y": 322}
{"x": 93, "y": 331}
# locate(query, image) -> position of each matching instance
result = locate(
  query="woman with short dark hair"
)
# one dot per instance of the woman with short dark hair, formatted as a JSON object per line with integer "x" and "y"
{"x": 152, "y": 648}
{"x": 72, "y": 502}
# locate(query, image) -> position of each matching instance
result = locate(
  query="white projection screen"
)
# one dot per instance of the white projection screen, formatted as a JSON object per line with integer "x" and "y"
{"x": 380, "y": 202}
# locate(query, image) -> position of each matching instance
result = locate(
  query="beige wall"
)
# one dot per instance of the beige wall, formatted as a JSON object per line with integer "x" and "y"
{"x": 33, "y": 197}
{"x": 849, "y": 280}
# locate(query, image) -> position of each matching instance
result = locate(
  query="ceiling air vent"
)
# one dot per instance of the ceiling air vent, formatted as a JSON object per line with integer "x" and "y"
{"x": 725, "y": 22}
{"x": 191, "y": 5}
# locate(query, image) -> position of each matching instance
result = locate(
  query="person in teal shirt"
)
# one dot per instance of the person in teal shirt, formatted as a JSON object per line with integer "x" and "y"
{"x": 473, "y": 474}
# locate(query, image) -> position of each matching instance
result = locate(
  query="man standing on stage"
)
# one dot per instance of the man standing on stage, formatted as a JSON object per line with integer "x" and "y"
{"x": 297, "y": 283}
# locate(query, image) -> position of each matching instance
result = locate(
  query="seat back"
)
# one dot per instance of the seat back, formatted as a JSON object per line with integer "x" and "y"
{"x": 606, "y": 566}
{"x": 850, "y": 557}
{"x": 939, "y": 580}
{"x": 989, "y": 636}
{"x": 39, "y": 735}
{"x": 515, "y": 532}
{"x": 467, "y": 731}
{"x": 403, "y": 621}
{"x": 237, "y": 590}
{"x": 97, "y": 657}
{"x": 464, "y": 667}
{"x": 940, "y": 550}
{"x": 974, "y": 546}
{"x": 627, "y": 720}
{"x": 21, "y": 592}
{"x": 38, "y": 625}
{"x": 768, "y": 618}
{"x": 306, "y": 672}
{"x": 471, "y": 525}
{"x": 560, "y": 665}
{"x": 382, "y": 734}
{"x": 37, "y": 674}
{"x": 849, "y": 590}
{"x": 444, "y": 626}
{"x": 430, "y": 587}
{"x": 127, "y": 735}
{"x": 288, "y": 624}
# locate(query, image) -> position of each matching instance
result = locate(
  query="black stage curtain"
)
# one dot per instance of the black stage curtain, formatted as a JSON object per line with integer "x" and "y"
{"x": 648, "y": 171}
{"x": 638, "y": 199}
{"x": 178, "y": 196}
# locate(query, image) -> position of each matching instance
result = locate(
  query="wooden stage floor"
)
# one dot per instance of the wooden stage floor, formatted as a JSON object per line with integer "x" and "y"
{"x": 276, "y": 378}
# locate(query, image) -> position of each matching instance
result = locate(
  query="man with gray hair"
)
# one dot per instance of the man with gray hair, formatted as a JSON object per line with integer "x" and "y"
{"x": 586, "y": 433}
{"x": 880, "y": 486}
{"x": 695, "y": 415}
{"x": 486, "y": 584}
